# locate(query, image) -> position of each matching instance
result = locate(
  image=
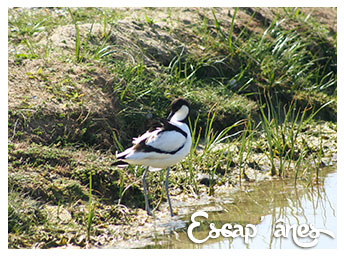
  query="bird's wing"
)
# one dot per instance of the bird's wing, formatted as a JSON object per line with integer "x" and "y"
{"x": 142, "y": 137}
{"x": 155, "y": 126}
{"x": 166, "y": 141}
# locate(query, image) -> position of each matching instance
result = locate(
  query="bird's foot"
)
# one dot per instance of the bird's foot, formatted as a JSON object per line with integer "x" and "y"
{"x": 173, "y": 213}
{"x": 149, "y": 211}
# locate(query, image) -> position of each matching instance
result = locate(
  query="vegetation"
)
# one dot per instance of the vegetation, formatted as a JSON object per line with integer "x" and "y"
{"x": 262, "y": 85}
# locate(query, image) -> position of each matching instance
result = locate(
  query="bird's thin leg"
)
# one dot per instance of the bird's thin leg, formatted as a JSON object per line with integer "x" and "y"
{"x": 166, "y": 189}
{"x": 145, "y": 192}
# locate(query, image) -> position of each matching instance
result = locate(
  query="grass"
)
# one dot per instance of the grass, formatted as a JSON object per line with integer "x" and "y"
{"x": 245, "y": 148}
{"x": 195, "y": 161}
{"x": 262, "y": 90}
{"x": 282, "y": 135}
{"x": 90, "y": 210}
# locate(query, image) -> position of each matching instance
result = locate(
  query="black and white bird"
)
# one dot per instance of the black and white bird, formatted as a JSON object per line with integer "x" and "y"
{"x": 162, "y": 146}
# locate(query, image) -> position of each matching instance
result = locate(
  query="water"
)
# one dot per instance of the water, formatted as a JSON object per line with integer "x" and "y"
{"x": 262, "y": 205}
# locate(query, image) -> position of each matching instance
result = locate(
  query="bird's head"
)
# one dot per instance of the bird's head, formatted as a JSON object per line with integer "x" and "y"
{"x": 180, "y": 110}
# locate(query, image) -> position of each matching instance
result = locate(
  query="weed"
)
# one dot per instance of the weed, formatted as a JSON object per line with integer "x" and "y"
{"x": 211, "y": 140}
{"x": 282, "y": 136}
{"x": 245, "y": 149}
{"x": 80, "y": 52}
{"x": 149, "y": 21}
{"x": 91, "y": 209}
{"x": 230, "y": 36}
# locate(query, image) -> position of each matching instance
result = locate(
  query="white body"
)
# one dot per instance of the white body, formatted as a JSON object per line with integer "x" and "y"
{"x": 167, "y": 141}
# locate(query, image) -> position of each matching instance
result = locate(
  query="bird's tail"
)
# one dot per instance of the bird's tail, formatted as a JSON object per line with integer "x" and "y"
{"x": 119, "y": 163}
{"x": 120, "y": 160}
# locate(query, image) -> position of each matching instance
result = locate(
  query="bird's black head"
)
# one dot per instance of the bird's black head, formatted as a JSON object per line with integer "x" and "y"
{"x": 180, "y": 110}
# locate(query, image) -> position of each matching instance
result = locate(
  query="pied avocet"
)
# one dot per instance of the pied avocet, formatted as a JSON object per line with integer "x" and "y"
{"x": 162, "y": 146}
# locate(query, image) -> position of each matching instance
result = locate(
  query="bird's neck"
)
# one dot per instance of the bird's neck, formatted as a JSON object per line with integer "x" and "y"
{"x": 181, "y": 115}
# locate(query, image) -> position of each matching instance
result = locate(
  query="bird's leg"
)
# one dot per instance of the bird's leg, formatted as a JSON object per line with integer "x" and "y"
{"x": 145, "y": 192}
{"x": 166, "y": 189}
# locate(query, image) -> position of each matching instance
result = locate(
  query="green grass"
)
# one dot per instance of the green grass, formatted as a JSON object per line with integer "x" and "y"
{"x": 261, "y": 93}
{"x": 283, "y": 61}
{"x": 282, "y": 128}
{"x": 90, "y": 210}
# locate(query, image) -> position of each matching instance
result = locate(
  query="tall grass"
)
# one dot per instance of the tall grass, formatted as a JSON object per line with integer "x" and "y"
{"x": 202, "y": 152}
{"x": 80, "y": 48}
{"x": 230, "y": 36}
{"x": 190, "y": 160}
{"x": 91, "y": 209}
{"x": 282, "y": 135}
{"x": 245, "y": 149}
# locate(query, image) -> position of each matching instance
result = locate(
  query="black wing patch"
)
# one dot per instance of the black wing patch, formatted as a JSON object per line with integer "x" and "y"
{"x": 143, "y": 147}
{"x": 120, "y": 162}
{"x": 165, "y": 125}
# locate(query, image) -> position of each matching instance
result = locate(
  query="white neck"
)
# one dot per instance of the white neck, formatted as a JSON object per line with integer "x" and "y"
{"x": 181, "y": 114}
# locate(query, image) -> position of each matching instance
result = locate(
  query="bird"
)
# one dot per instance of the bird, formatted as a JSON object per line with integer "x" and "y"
{"x": 166, "y": 143}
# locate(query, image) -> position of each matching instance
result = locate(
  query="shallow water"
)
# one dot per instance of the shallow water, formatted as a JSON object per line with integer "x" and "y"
{"x": 262, "y": 205}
